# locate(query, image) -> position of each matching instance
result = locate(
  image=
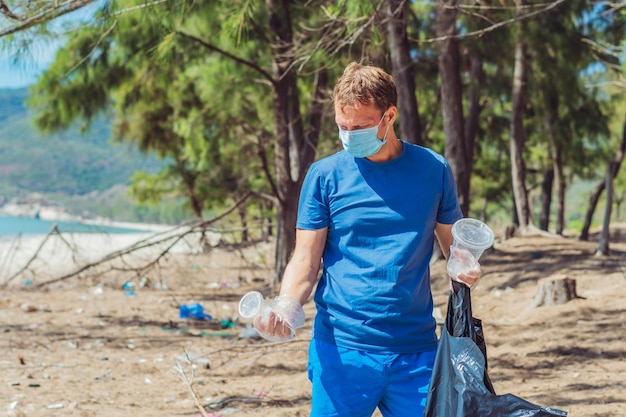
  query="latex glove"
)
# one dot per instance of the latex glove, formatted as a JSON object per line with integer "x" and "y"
{"x": 466, "y": 267}
{"x": 470, "y": 278}
{"x": 280, "y": 323}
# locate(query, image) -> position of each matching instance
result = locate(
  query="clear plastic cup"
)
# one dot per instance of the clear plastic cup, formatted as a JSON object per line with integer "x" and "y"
{"x": 471, "y": 238}
{"x": 253, "y": 304}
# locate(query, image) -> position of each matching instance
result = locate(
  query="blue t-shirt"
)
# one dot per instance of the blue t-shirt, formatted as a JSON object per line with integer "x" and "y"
{"x": 374, "y": 293}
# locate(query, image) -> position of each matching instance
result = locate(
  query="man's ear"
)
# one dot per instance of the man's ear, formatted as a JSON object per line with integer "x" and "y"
{"x": 392, "y": 113}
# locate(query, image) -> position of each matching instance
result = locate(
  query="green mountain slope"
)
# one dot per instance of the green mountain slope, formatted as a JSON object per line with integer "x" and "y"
{"x": 68, "y": 163}
{"x": 69, "y": 168}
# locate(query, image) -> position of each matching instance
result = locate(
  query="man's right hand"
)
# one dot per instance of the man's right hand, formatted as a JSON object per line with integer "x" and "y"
{"x": 281, "y": 322}
{"x": 273, "y": 327}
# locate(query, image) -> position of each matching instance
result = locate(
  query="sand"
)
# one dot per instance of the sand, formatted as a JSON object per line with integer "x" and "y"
{"x": 109, "y": 341}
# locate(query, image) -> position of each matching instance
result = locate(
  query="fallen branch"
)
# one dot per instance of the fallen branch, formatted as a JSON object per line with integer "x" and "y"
{"x": 54, "y": 230}
{"x": 257, "y": 401}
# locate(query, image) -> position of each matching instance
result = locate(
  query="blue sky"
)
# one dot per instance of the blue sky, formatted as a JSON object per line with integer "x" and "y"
{"x": 19, "y": 75}
{"x": 40, "y": 54}
{"x": 20, "y": 70}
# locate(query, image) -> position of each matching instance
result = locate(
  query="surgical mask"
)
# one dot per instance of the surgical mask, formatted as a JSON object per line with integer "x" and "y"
{"x": 362, "y": 143}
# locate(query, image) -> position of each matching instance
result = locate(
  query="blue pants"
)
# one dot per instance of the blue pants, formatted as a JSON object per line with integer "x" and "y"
{"x": 352, "y": 383}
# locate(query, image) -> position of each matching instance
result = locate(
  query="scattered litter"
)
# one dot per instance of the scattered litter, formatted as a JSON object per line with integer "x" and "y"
{"x": 144, "y": 282}
{"x": 28, "y": 308}
{"x": 193, "y": 311}
{"x": 249, "y": 333}
{"x": 227, "y": 323}
{"x": 217, "y": 334}
{"x": 55, "y": 406}
{"x": 128, "y": 288}
{"x": 159, "y": 285}
{"x": 223, "y": 285}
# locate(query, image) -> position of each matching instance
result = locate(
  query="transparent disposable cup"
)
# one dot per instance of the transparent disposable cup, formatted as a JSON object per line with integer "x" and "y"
{"x": 253, "y": 304}
{"x": 471, "y": 238}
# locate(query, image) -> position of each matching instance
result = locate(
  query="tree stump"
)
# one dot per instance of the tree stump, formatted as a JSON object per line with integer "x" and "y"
{"x": 558, "y": 289}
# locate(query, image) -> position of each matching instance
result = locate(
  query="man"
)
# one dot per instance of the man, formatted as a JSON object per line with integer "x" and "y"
{"x": 371, "y": 213}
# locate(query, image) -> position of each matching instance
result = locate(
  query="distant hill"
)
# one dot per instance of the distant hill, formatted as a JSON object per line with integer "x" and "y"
{"x": 65, "y": 164}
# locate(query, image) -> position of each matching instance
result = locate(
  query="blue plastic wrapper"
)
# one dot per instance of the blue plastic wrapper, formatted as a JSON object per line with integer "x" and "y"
{"x": 194, "y": 311}
{"x": 460, "y": 385}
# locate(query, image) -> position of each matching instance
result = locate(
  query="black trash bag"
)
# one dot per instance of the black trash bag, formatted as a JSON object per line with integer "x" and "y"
{"x": 460, "y": 385}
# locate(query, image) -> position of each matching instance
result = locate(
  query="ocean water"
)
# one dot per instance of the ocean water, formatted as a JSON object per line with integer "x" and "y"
{"x": 14, "y": 226}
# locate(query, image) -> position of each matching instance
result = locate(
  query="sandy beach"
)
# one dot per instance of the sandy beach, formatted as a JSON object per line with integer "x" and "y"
{"x": 90, "y": 345}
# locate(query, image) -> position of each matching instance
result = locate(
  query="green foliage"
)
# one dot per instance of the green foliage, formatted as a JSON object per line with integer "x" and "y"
{"x": 195, "y": 83}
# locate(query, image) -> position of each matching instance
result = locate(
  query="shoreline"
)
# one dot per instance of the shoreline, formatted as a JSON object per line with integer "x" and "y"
{"x": 38, "y": 208}
{"x": 130, "y": 227}
{"x": 53, "y": 255}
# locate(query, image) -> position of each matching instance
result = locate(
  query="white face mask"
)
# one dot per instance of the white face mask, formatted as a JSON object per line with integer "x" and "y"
{"x": 362, "y": 143}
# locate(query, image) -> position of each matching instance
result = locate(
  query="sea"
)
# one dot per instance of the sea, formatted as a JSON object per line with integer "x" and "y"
{"x": 16, "y": 226}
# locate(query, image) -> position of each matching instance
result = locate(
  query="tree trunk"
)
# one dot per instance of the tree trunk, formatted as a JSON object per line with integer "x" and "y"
{"x": 595, "y": 195}
{"x": 593, "y": 203}
{"x": 289, "y": 134}
{"x": 561, "y": 188}
{"x": 189, "y": 180}
{"x": 294, "y": 148}
{"x": 451, "y": 99}
{"x": 243, "y": 220}
{"x": 546, "y": 198}
{"x": 474, "y": 108}
{"x": 290, "y": 174}
{"x": 603, "y": 243}
{"x": 410, "y": 126}
{"x": 517, "y": 139}
{"x": 557, "y": 166}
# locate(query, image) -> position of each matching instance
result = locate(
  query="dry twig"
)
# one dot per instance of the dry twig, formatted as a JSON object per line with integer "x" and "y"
{"x": 188, "y": 380}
